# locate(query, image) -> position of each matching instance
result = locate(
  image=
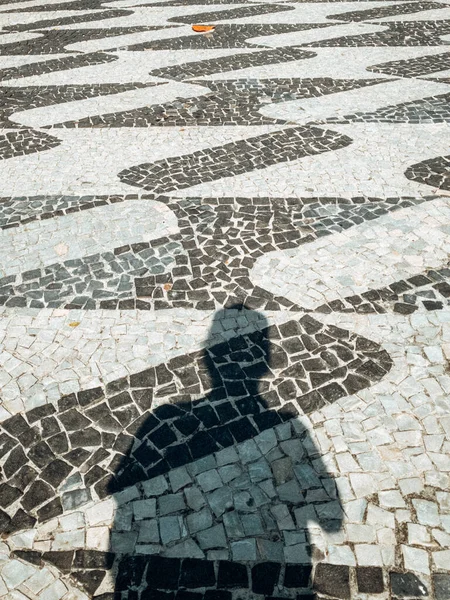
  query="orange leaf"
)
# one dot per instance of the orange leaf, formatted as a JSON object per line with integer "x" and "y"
{"x": 203, "y": 28}
{"x": 74, "y": 324}
{"x": 167, "y": 286}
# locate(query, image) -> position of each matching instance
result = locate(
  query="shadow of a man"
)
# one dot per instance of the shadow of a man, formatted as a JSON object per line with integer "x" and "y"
{"x": 249, "y": 509}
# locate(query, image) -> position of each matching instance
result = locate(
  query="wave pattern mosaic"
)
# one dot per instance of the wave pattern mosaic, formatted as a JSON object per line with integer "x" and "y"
{"x": 224, "y": 299}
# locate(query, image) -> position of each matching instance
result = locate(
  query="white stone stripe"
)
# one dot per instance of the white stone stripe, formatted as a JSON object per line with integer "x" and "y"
{"x": 24, "y": 18}
{"x": 373, "y": 165}
{"x": 123, "y": 101}
{"x": 130, "y": 66}
{"x": 88, "y": 160}
{"x": 313, "y": 12}
{"x": 40, "y": 243}
{"x": 371, "y": 255}
{"x": 47, "y": 353}
{"x": 310, "y": 36}
{"x": 337, "y": 63}
{"x": 127, "y": 39}
{"x": 361, "y": 100}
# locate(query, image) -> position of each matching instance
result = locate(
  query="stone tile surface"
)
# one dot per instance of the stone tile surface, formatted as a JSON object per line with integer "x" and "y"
{"x": 224, "y": 300}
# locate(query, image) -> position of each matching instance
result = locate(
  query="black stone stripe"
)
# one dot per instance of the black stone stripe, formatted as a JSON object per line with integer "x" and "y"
{"x": 231, "y": 63}
{"x": 435, "y": 109}
{"x": 76, "y": 5}
{"x": 414, "y": 67}
{"x": 19, "y": 211}
{"x": 225, "y": 36}
{"x": 59, "y": 22}
{"x": 234, "y": 13}
{"x": 56, "y": 64}
{"x": 430, "y": 288}
{"x": 197, "y": 2}
{"x": 28, "y": 141}
{"x": 19, "y": 99}
{"x": 88, "y": 568}
{"x": 232, "y": 159}
{"x": 386, "y": 11}
{"x": 234, "y": 102}
{"x": 54, "y": 41}
{"x": 399, "y": 33}
{"x": 433, "y": 171}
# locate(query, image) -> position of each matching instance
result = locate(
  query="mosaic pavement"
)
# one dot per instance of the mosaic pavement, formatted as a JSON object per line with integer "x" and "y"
{"x": 224, "y": 297}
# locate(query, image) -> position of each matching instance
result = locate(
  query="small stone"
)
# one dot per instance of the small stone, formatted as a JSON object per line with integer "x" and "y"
{"x": 283, "y": 517}
{"x": 179, "y": 478}
{"x": 298, "y": 554}
{"x": 294, "y": 537}
{"x": 272, "y": 551}
{"x": 123, "y": 543}
{"x": 244, "y": 550}
{"x": 194, "y": 498}
{"x": 220, "y": 500}
{"x": 199, "y": 520}
{"x": 259, "y": 470}
{"x": 185, "y": 549}
{"x": 233, "y": 524}
{"x": 76, "y": 498}
{"x": 243, "y": 502}
{"x": 333, "y": 580}
{"x": 227, "y": 456}
{"x": 306, "y": 476}
{"x": 266, "y": 441}
{"x": 418, "y": 534}
{"x": 282, "y": 470}
{"x": 212, "y": 538}
{"x": 363, "y": 484}
{"x": 304, "y": 514}
{"x": 341, "y": 555}
{"x": 294, "y": 449}
{"x": 156, "y": 486}
{"x": 416, "y": 559}
{"x": 356, "y": 509}
{"x": 368, "y": 555}
{"x": 441, "y": 560}
{"x": 144, "y": 509}
{"x": 290, "y": 492}
{"x": 248, "y": 451}
{"x": 253, "y": 525}
{"x": 370, "y": 580}
{"x": 229, "y": 472}
{"x": 265, "y": 577}
{"x": 441, "y": 586}
{"x": 170, "y": 530}
{"x": 412, "y": 485}
{"x": 443, "y": 499}
{"x": 360, "y": 533}
{"x": 268, "y": 488}
{"x": 406, "y": 585}
{"x": 203, "y": 464}
{"x": 209, "y": 480}
{"x": 427, "y": 512}
{"x": 391, "y": 499}
{"x": 171, "y": 503}
{"x": 283, "y": 431}
{"x": 297, "y": 576}
{"x": 15, "y": 572}
{"x": 149, "y": 532}
{"x": 232, "y": 575}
